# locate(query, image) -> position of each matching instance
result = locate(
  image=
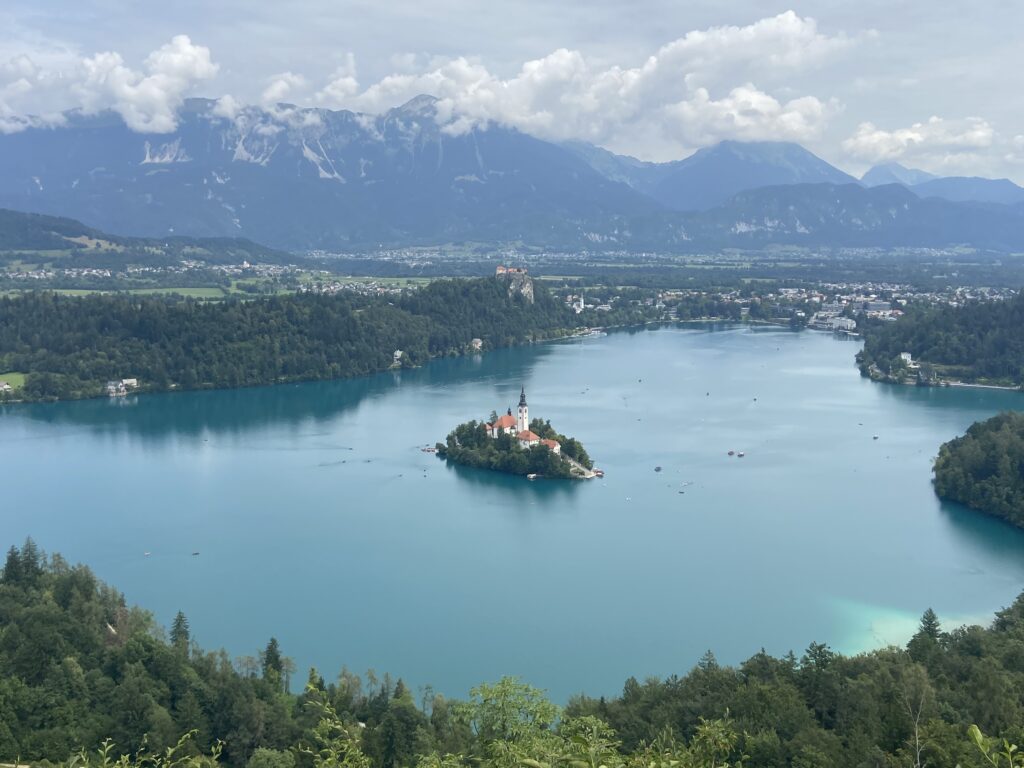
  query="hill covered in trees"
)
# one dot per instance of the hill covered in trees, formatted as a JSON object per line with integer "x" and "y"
{"x": 980, "y": 342}
{"x": 54, "y": 240}
{"x": 68, "y": 347}
{"x": 78, "y": 665}
{"x": 984, "y": 469}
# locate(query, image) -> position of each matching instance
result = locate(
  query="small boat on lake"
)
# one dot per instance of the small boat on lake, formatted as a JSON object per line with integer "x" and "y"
{"x": 740, "y": 455}
{"x": 732, "y": 453}
{"x": 657, "y": 469}
{"x": 531, "y": 476}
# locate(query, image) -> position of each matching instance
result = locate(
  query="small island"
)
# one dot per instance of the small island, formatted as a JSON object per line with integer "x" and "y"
{"x": 984, "y": 469}
{"x": 517, "y": 446}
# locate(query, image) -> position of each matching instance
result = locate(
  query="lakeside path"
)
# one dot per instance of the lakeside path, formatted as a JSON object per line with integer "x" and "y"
{"x": 586, "y": 474}
{"x": 981, "y": 386}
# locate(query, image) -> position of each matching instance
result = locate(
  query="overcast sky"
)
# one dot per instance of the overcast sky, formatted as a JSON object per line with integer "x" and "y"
{"x": 936, "y": 85}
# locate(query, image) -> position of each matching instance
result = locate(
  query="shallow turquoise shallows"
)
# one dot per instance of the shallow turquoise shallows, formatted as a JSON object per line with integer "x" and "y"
{"x": 320, "y": 521}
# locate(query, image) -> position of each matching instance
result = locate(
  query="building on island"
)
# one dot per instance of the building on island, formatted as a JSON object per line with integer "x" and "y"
{"x": 503, "y": 270}
{"x": 519, "y": 427}
{"x": 552, "y": 444}
{"x": 121, "y": 387}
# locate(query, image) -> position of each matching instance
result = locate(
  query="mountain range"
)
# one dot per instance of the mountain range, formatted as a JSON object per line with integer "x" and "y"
{"x": 304, "y": 179}
{"x": 956, "y": 188}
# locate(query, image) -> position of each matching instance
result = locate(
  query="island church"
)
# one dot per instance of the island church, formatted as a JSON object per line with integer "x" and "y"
{"x": 519, "y": 427}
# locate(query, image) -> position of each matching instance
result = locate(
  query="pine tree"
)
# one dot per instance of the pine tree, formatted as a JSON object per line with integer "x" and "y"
{"x": 272, "y": 659}
{"x": 12, "y": 568}
{"x": 179, "y": 632}
{"x": 31, "y": 562}
{"x": 930, "y": 625}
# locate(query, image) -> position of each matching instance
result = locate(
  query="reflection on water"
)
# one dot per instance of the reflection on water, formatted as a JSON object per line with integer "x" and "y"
{"x": 989, "y": 537}
{"x": 530, "y": 494}
{"x": 154, "y": 417}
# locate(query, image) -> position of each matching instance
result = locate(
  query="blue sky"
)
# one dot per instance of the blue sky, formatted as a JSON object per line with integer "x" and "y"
{"x": 932, "y": 85}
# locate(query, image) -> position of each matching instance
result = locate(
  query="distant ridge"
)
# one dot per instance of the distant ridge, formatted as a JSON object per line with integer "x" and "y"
{"x": 305, "y": 179}
{"x": 972, "y": 188}
{"x": 26, "y": 232}
{"x": 712, "y": 175}
{"x": 894, "y": 173}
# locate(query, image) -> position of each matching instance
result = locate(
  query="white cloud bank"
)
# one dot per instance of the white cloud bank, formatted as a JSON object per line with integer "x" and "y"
{"x": 965, "y": 146}
{"x": 697, "y": 89}
{"x": 721, "y": 82}
{"x": 147, "y": 100}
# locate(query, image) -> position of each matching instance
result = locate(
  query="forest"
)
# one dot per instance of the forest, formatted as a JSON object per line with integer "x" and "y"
{"x": 470, "y": 445}
{"x": 978, "y": 342}
{"x": 79, "y": 667}
{"x": 984, "y": 469}
{"x": 69, "y": 347}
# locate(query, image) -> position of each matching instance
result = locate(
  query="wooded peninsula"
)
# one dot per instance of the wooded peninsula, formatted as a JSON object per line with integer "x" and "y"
{"x": 984, "y": 469}
{"x": 980, "y": 342}
{"x": 70, "y": 347}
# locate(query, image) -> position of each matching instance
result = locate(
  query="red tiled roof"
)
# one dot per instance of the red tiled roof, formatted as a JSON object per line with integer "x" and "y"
{"x": 549, "y": 443}
{"x": 505, "y": 421}
{"x": 528, "y": 435}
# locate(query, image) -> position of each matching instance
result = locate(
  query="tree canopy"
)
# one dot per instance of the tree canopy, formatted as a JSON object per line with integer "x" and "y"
{"x": 71, "y": 346}
{"x": 984, "y": 469}
{"x": 78, "y": 666}
{"x": 980, "y": 341}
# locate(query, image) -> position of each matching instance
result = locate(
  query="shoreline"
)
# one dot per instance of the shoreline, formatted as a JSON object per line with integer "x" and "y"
{"x": 942, "y": 383}
{"x": 578, "y": 333}
{"x": 967, "y": 385}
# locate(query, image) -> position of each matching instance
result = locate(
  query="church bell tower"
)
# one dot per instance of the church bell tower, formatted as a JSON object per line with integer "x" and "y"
{"x": 523, "y": 416}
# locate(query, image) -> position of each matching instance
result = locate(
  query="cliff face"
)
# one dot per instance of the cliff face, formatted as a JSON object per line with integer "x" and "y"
{"x": 520, "y": 284}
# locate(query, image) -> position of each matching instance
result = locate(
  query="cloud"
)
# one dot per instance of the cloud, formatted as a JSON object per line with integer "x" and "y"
{"x": 147, "y": 100}
{"x": 749, "y": 114}
{"x": 284, "y": 86}
{"x": 711, "y": 84}
{"x": 228, "y": 107}
{"x": 341, "y": 86}
{"x": 684, "y": 95}
{"x": 935, "y": 136}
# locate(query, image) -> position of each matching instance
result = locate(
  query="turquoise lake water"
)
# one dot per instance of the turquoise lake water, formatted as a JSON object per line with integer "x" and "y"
{"x": 320, "y": 521}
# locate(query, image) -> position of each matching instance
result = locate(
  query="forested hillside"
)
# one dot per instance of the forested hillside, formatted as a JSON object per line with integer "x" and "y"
{"x": 984, "y": 469}
{"x": 69, "y": 347}
{"x": 77, "y": 665}
{"x": 39, "y": 239}
{"x": 981, "y": 342}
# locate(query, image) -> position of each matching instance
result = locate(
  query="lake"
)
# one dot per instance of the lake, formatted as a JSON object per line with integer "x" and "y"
{"x": 320, "y": 521}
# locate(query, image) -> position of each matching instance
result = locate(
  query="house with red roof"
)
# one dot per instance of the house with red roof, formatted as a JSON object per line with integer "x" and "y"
{"x": 504, "y": 425}
{"x": 527, "y": 438}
